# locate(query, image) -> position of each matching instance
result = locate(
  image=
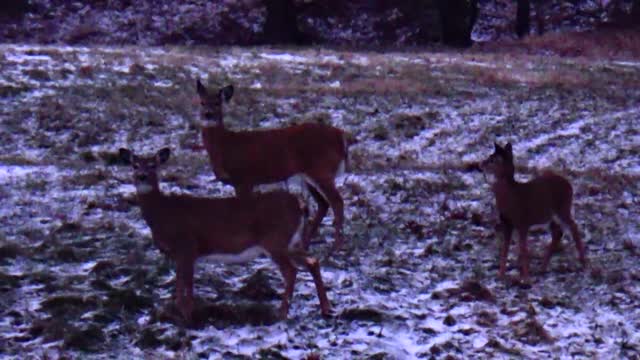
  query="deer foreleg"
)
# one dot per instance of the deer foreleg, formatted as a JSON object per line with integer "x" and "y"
{"x": 184, "y": 278}
{"x": 523, "y": 255}
{"x": 313, "y": 266}
{"x": 507, "y": 232}
{"x": 289, "y": 274}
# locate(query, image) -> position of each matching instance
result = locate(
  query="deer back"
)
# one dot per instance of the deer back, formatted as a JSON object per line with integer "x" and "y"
{"x": 534, "y": 202}
{"x": 265, "y": 156}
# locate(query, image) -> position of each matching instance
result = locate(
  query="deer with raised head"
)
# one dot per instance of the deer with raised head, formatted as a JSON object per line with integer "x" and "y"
{"x": 229, "y": 230}
{"x": 546, "y": 199}
{"x": 245, "y": 159}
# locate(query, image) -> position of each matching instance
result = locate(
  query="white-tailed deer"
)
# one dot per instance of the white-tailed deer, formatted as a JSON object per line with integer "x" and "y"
{"x": 244, "y": 159}
{"x": 231, "y": 230}
{"x": 547, "y": 199}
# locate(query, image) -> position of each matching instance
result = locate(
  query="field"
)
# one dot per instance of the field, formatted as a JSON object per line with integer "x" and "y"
{"x": 417, "y": 278}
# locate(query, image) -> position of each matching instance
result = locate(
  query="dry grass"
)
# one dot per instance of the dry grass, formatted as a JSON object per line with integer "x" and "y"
{"x": 606, "y": 43}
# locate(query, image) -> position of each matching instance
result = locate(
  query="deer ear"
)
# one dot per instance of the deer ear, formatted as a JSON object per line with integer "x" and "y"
{"x": 125, "y": 156}
{"x": 226, "y": 93}
{"x": 202, "y": 91}
{"x": 163, "y": 155}
{"x": 508, "y": 149}
{"x": 496, "y": 147}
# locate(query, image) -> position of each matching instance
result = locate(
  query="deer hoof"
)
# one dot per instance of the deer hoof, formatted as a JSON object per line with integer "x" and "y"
{"x": 502, "y": 276}
{"x": 523, "y": 283}
{"x": 328, "y": 313}
{"x": 585, "y": 263}
{"x": 283, "y": 313}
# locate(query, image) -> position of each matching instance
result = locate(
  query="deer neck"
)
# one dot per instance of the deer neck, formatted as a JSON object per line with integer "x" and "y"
{"x": 213, "y": 138}
{"x": 506, "y": 194}
{"x": 506, "y": 182}
{"x": 150, "y": 201}
{"x": 212, "y": 133}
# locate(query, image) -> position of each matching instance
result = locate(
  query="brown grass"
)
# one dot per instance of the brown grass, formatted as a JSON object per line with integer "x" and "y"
{"x": 605, "y": 43}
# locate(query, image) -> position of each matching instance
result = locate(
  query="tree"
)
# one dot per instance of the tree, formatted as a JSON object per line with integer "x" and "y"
{"x": 281, "y": 25}
{"x": 522, "y": 18}
{"x": 15, "y": 9}
{"x": 457, "y": 18}
{"x": 635, "y": 12}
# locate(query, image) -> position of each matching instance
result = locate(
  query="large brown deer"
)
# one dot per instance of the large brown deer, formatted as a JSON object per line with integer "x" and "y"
{"x": 231, "y": 230}
{"x": 546, "y": 199}
{"x": 244, "y": 159}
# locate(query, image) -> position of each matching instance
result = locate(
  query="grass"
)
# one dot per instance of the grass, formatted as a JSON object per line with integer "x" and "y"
{"x": 599, "y": 44}
{"x": 416, "y": 215}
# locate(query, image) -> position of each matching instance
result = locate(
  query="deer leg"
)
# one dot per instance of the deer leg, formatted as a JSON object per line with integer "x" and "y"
{"x": 185, "y": 277}
{"x": 179, "y": 288}
{"x": 556, "y": 236}
{"x": 313, "y": 266}
{"x": 328, "y": 189}
{"x": 575, "y": 234}
{"x": 188, "y": 284}
{"x": 323, "y": 207}
{"x": 288, "y": 271}
{"x": 507, "y": 232}
{"x": 566, "y": 220}
{"x": 523, "y": 255}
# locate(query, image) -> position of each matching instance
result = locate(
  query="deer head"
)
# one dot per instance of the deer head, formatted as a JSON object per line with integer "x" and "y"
{"x": 145, "y": 169}
{"x": 212, "y": 103}
{"x": 500, "y": 163}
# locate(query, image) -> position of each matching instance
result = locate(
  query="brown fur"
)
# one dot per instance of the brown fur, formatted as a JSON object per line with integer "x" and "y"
{"x": 545, "y": 199}
{"x": 245, "y": 159}
{"x": 186, "y": 228}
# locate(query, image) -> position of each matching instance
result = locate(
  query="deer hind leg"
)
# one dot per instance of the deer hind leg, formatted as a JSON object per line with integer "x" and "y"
{"x": 523, "y": 255}
{"x": 289, "y": 272}
{"x": 327, "y": 189}
{"x": 507, "y": 232}
{"x": 323, "y": 207}
{"x": 337, "y": 205}
{"x": 179, "y": 291}
{"x": 554, "y": 246}
{"x": 568, "y": 222}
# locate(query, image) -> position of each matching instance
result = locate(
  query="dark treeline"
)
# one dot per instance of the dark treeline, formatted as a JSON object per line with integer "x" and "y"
{"x": 297, "y": 22}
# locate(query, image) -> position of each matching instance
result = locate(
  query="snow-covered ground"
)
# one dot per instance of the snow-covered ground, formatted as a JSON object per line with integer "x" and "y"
{"x": 79, "y": 275}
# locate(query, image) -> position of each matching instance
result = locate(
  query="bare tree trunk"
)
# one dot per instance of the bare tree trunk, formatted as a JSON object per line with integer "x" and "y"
{"x": 281, "y": 25}
{"x": 15, "y": 9}
{"x": 540, "y": 9}
{"x": 522, "y": 18}
{"x": 457, "y": 18}
{"x": 635, "y": 13}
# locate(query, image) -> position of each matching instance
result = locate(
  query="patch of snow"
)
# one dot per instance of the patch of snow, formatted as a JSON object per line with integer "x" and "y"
{"x": 22, "y": 58}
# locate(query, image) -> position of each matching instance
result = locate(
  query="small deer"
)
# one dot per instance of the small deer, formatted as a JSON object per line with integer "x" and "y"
{"x": 229, "y": 230}
{"x": 547, "y": 199}
{"x": 244, "y": 159}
